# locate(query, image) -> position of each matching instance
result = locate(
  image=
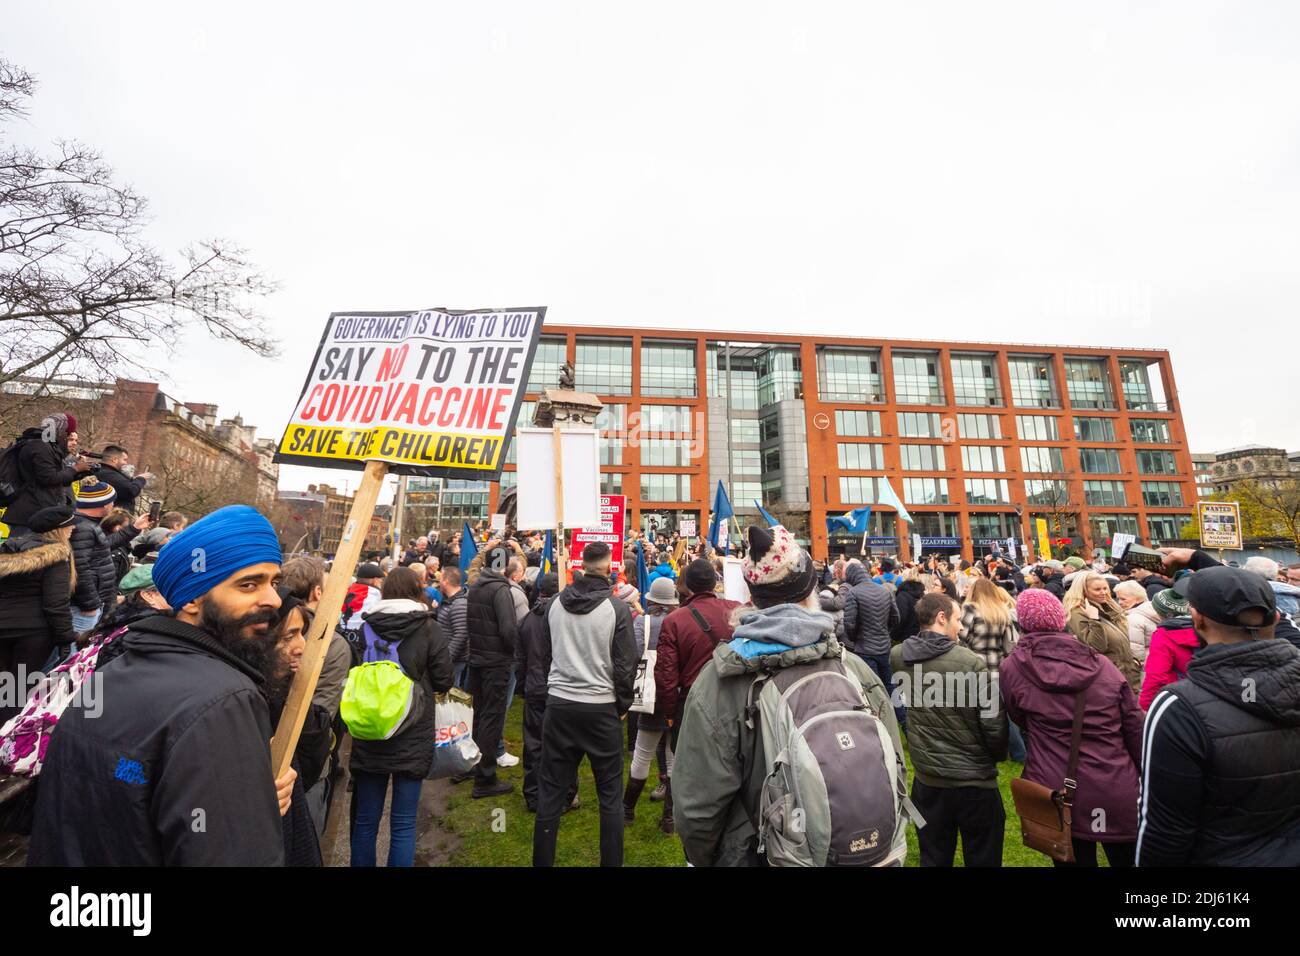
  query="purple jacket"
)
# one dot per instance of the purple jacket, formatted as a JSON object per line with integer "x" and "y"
{"x": 1038, "y": 679}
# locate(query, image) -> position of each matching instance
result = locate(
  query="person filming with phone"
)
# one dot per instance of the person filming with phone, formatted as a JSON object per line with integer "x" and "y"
{"x": 116, "y": 470}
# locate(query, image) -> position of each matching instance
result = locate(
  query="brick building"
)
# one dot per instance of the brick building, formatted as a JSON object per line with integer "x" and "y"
{"x": 199, "y": 462}
{"x": 334, "y": 514}
{"x": 977, "y": 439}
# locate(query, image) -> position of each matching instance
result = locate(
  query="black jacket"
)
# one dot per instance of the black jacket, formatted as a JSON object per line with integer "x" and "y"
{"x": 1055, "y": 584}
{"x": 128, "y": 489}
{"x": 46, "y": 483}
{"x": 532, "y": 662}
{"x": 908, "y": 593}
{"x": 170, "y": 765}
{"x": 490, "y": 616}
{"x": 35, "y": 588}
{"x": 870, "y": 614}
{"x": 426, "y": 659}
{"x": 96, "y": 572}
{"x": 1155, "y": 584}
{"x": 1221, "y": 762}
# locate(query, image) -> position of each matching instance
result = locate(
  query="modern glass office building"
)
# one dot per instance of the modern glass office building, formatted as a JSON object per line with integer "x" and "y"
{"x": 978, "y": 440}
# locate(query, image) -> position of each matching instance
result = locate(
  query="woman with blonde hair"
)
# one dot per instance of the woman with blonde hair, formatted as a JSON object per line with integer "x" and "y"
{"x": 1098, "y": 621}
{"x": 988, "y": 627}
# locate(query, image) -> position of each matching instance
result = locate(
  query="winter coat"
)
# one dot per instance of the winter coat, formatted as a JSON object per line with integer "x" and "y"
{"x": 588, "y": 645}
{"x": 1142, "y": 623}
{"x": 452, "y": 620}
{"x": 685, "y": 647}
{"x": 1172, "y": 645}
{"x": 958, "y": 741}
{"x": 96, "y": 574}
{"x": 531, "y": 667}
{"x": 1108, "y": 634}
{"x": 991, "y": 645}
{"x": 1038, "y": 682}
{"x": 908, "y": 593}
{"x": 128, "y": 489}
{"x": 425, "y": 658}
{"x": 333, "y": 674}
{"x": 179, "y": 725}
{"x": 1154, "y": 584}
{"x": 35, "y": 589}
{"x": 1054, "y": 584}
{"x": 648, "y": 627}
{"x": 664, "y": 570}
{"x": 45, "y": 481}
{"x": 492, "y": 620}
{"x": 870, "y": 614}
{"x": 1221, "y": 771}
{"x": 720, "y": 764}
{"x": 832, "y": 602}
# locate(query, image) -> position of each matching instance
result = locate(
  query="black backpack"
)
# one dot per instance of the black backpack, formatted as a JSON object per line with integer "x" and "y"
{"x": 11, "y": 479}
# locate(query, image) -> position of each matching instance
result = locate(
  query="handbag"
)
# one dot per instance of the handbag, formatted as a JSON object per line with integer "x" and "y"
{"x": 1045, "y": 815}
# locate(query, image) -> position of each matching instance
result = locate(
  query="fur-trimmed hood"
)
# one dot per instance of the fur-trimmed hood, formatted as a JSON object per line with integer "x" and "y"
{"x": 30, "y": 553}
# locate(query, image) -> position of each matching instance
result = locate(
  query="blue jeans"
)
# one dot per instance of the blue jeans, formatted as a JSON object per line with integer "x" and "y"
{"x": 370, "y": 791}
{"x": 460, "y": 675}
{"x": 510, "y": 699}
{"x": 879, "y": 663}
{"x": 85, "y": 620}
{"x": 1015, "y": 743}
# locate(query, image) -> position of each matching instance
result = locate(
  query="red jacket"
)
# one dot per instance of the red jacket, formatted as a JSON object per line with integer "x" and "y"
{"x": 1167, "y": 659}
{"x": 684, "y": 647}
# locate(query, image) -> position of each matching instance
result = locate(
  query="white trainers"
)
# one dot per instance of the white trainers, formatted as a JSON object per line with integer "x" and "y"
{"x": 507, "y": 760}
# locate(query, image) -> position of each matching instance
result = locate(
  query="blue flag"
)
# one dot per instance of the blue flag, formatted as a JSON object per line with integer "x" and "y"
{"x": 771, "y": 522}
{"x": 642, "y": 572}
{"x": 468, "y": 551}
{"x": 854, "y": 522}
{"x": 548, "y": 554}
{"x": 721, "y": 512}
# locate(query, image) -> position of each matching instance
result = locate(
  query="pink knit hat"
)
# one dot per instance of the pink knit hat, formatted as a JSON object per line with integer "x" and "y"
{"x": 1040, "y": 611}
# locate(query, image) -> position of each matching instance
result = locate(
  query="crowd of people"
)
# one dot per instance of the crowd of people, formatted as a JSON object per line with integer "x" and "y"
{"x": 1163, "y": 708}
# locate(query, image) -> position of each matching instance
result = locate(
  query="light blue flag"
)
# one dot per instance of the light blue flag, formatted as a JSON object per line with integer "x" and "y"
{"x": 888, "y": 497}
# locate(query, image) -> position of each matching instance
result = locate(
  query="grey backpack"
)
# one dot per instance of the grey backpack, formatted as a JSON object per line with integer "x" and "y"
{"x": 835, "y": 791}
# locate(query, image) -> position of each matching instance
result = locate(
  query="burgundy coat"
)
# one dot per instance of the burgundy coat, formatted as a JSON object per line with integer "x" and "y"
{"x": 1037, "y": 681}
{"x": 684, "y": 648}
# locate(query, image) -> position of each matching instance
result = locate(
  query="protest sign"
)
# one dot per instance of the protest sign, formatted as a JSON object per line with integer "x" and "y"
{"x": 1119, "y": 543}
{"x": 613, "y": 513}
{"x": 498, "y": 522}
{"x": 538, "y": 476}
{"x": 1220, "y": 524}
{"x": 734, "y": 587}
{"x": 1044, "y": 542}
{"x": 686, "y": 527}
{"x": 432, "y": 392}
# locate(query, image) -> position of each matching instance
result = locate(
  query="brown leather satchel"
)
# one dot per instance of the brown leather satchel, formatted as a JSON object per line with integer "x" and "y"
{"x": 1045, "y": 815}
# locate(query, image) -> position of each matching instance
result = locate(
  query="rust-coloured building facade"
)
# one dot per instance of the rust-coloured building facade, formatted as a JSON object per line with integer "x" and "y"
{"x": 977, "y": 439}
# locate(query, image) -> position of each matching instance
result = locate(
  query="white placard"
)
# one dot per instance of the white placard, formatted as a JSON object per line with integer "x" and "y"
{"x": 686, "y": 527}
{"x": 498, "y": 522}
{"x": 1119, "y": 543}
{"x": 580, "y": 454}
{"x": 1011, "y": 549}
{"x": 733, "y": 580}
{"x": 916, "y": 546}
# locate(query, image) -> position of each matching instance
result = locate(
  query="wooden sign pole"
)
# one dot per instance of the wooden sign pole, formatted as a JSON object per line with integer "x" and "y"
{"x": 285, "y": 740}
{"x": 562, "y": 557}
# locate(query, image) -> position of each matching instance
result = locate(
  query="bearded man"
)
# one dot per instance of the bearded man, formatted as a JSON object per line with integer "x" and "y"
{"x": 172, "y": 764}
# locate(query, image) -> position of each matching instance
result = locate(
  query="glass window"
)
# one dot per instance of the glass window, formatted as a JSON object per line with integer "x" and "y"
{"x": 666, "y": 418}
{"x": 1162, "y": 494}
{"x": 919, "y": 425}
{"x": 746, "y": 462}
{"x": 921, "y": 457}
{"x": 665, "y": 452}
{"x": 545, "y": 371}
{"x": 772, "y": 460}
{"x": 1151, "y": 431}
{"x": 508, "y": 479}
{"x": 1156, "y": 463}
{"x": 1041, "y": 459}
{"x": 975, "y": 379}
{"x": 916, "y": 378}
{"x": 986, "y": 491}
{"x": 925, "y": 491}
{"x": 983, "y": 525}
{"x": 745, "y": 431}
{"x": 1088, "y": 380}
{"x": 1041, "y": 491}
{"x": 1142, "y": 391}
{"x": 1105, "y": 526}
{"x": 611, "y": 482}
{"x": 612, "y": 418}
{"x": 1032, "y": 382}
{"x": 849, "y": 375}
{"x": 1037, "y": 428}
{"x": 853, "y": 424}
{"x": 1166, "y": 528}
{"x": 667, "y": 368}
{"x": 1099, "y": 461}
{"x": 780, "y": 375}
{"x": 861, "y": 456}
{"x": 666, "y": 487}
{"x": 855, "y": 490}
{"x": 604, "y": 366}
{"x": 983, "y": 458}
{"x": 1094, "y": 429}
{"x": 1108, "y": 493}
{"x": 611, "y": 451}
{"x": 769, "y": 427}
{"x": 746, "y": 491}
{"x": 979, "y": 426}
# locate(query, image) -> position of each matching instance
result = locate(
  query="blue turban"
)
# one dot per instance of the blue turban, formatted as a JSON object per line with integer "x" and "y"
{"x": 195, "y": 561}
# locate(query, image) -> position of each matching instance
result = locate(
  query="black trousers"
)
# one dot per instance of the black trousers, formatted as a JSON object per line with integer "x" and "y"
{"x": 570, "y": 732}
{"x": 534, "y": 714}
{"x": 974, "y": 813}
{"x": 1117, "y": 854}
{"x": 488, "y": 686}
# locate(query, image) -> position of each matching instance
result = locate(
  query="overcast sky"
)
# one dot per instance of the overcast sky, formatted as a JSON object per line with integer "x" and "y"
{"x": 1090, "y": 174}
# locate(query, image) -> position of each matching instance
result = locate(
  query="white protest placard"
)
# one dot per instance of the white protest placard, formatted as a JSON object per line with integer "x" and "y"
{"x": 1011, "y": 548}
{"x": 535, "y": 497}
{"x": 498, "y": 522}
{"x": 1119, "y": 543}
{"x": 686, "y": 527}
{"x": 733, "y": 580}
{"x": 916, "y": 546}
{"x": 1220, "y": 524}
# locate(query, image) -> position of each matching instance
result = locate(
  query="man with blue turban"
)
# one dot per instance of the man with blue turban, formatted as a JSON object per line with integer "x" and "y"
{"x": 172, "y": 764}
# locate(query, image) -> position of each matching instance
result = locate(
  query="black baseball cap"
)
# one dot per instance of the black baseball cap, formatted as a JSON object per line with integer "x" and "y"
{"x": 1223, "y": 593}
{"x": 368, "y": 570}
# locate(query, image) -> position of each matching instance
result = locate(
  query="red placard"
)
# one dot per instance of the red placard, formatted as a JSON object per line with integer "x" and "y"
{"x": 613, "y": 510}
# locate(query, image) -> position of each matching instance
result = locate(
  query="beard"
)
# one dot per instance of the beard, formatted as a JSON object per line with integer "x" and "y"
{"x": 258, "y": 651}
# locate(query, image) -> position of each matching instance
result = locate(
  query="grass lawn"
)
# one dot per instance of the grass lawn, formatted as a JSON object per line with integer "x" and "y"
{"x": 505, "y": 838}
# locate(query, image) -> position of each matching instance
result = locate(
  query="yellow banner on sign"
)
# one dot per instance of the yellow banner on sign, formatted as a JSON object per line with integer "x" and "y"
{"x": 1044, "y": 542}
{"x": 396, "y": 445}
